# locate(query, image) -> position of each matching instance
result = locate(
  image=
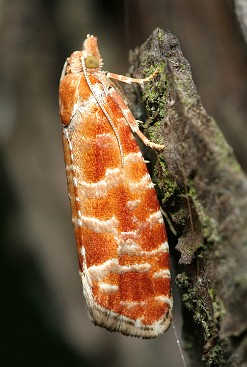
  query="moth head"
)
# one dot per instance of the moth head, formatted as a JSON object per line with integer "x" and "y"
{"x": 91, "y": 53}
{"x": 92, "y": 62}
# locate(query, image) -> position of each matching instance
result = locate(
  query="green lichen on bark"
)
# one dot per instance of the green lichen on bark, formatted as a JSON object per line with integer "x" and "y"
{"x": 154, "y": 93}
{"x": 204, "y": 193}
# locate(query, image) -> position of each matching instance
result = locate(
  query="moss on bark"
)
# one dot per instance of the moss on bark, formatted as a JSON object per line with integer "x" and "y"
{"x": 204, "y": 193}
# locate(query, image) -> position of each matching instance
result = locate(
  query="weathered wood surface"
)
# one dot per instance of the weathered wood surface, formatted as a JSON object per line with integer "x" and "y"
{"x": 204, "y": 194}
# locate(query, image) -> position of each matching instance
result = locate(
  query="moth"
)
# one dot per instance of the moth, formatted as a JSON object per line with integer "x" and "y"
{"x": 120, "y": 234}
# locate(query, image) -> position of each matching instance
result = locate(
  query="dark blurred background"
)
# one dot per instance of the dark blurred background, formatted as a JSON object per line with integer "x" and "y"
{"x": 43, "y": 319}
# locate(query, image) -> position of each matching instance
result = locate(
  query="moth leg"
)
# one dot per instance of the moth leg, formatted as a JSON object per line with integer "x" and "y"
{"x": 129, "y": 80}
{"x": 132, "y": 122}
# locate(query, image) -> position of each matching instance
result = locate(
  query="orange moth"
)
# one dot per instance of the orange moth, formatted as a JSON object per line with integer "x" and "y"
{"x": 120, "y": 234}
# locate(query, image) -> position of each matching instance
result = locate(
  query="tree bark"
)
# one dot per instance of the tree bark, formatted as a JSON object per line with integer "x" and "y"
{"x": 204, "y": 195}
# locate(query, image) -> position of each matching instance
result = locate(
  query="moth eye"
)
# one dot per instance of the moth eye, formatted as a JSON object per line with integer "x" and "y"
{"x": 92, "y": 62}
